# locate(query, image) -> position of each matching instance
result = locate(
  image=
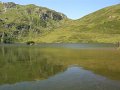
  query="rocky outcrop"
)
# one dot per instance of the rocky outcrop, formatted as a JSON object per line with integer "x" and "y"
{"x": 52, "y": 15}
{"x": 10, "y": 25}
{"x": 9, "y": 5}
{"x": 23, "y": 27}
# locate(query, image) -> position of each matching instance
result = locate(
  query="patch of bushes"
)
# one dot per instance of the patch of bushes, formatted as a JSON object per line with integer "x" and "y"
{"x": 30, "y": 42}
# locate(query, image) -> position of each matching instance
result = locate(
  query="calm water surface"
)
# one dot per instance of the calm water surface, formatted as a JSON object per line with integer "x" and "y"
{"x": 60, "y": 67}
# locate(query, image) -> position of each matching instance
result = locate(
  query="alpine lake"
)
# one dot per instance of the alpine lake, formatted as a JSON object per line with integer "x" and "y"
{"x": 59, "y": 67}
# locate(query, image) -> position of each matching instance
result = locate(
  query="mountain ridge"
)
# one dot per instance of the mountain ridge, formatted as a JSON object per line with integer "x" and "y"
{"x": 43, "y": 25}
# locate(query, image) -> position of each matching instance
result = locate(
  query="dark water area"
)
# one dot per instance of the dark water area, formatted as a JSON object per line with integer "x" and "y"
{"x": 59, "y": 67}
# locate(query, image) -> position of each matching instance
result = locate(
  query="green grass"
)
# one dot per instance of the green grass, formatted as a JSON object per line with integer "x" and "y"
{"x": 102, "y": 26}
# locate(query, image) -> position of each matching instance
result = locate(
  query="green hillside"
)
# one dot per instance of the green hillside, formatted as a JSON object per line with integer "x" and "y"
{"x": 106, "y": 20}
{"x": 102, "y": 26}
{"x": 22, "y": 23}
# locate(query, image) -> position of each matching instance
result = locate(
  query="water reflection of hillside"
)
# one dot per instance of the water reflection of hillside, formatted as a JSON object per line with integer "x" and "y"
{"x": 25, "y": 63}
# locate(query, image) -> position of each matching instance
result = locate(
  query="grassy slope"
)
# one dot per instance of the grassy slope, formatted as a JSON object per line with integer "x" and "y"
{"x": 102, "y": 26}
{"x": 29, "y": 15}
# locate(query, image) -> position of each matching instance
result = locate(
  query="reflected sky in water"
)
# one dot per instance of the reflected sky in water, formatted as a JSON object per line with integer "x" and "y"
{"x": 74, "y": 78}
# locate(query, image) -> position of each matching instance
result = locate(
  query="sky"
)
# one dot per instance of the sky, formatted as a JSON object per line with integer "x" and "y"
{"x": 74, "y": 9}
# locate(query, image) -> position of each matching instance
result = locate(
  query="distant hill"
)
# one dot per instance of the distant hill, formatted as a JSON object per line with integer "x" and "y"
{"x": 106, "y": 20}
{"x": 22, "y": 23}
{"x": 102, "y": 26}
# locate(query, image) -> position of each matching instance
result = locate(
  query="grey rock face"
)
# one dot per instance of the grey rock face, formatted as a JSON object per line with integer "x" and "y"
{"x": 9, "y": 5}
